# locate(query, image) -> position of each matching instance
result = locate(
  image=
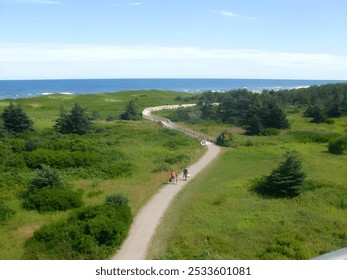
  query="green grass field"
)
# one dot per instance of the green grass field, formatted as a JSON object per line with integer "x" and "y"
{"x": 219, "y": 216}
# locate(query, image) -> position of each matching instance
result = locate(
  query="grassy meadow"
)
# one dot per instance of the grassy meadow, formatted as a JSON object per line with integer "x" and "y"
{"x": 148, "y": 150}
{"x": 220, "y": 216}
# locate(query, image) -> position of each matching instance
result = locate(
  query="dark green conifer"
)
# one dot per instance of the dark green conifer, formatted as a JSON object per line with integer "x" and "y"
{"x": 286, "y": 180}
{"x": 15, "y": 119}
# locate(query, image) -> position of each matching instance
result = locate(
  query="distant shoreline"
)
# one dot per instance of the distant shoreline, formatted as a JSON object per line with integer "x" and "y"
{"x": 31, "y": 88}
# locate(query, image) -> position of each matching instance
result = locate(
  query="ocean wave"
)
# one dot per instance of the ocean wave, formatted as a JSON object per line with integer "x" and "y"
{"x": 50, "y": 93}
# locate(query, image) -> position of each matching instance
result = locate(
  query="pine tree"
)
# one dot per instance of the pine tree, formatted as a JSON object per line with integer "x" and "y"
{"x": 274, "y": 116}
{"x": 255, "y": 126}
{"x": 15, "y": 119}
{"x": 286, "y": 180}
{"x": 130, "y": 112}
{"x": 75, "y": 122}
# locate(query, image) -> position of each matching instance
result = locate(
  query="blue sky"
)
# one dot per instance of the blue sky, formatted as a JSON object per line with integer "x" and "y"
{"x": 295, "y": 39}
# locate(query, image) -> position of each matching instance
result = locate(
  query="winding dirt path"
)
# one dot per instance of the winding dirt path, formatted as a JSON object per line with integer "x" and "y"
{"x": 145, "y": 223}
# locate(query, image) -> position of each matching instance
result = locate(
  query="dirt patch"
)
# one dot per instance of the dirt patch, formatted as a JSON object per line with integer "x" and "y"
{"x": 27, "y": 231}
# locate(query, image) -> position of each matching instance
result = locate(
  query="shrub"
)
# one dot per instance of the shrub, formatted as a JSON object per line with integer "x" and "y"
{"x": 337, "y": 145}
{"x": 52, "y": 199}
{"x": 60, "y": 158}
{"x": 173, "y": 158}
{"x": 224, "y": 139}
{"x": 5, "y": 213}
{"x": 287, "y": 246}
{"x": 45, "y": 177}
{"x": 270, "y": 131}
{"x": 93, "y": 232}
{"x": 163, "y": 166}
{"x": 312, "y": 136}
{"x": 3, "y": 131}
{"x": 118, "y": 199}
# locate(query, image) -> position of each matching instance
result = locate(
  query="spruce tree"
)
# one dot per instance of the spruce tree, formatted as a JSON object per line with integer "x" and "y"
{"x": 15, "y": 119}
{"x": 75, "y": 122}
{"x": 274, "y": 116}
{"x": 255, "y": 126}
{"x": 286, "y": 180}
{"x": 130, "y": 112}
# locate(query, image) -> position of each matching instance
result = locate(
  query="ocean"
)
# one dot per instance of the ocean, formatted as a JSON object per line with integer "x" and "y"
{"x": 31, "y": 88}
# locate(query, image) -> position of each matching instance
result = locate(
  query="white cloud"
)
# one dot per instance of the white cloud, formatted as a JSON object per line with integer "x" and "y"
{"x": 159, "y": 61}
{"x": 234, "y": 15}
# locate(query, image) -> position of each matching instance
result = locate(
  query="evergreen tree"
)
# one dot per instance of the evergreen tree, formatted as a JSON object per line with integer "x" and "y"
{"x": 130, "y": 112}
{"x": 334, "y": 111}
{"x": 286, "y": 180}
{"x": 3, "y": 131}
{"x": 315, "y": 112}
{"x": 208, "y": 111}
{"x": 15, "y": 119}
{"x": 75, "y": 122}
{"x": 255, "y": 125}
{"x": 274, "y": 116}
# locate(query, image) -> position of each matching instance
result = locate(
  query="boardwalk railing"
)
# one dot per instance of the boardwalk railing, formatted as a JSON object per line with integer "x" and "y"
{"x": 147, "y": 114}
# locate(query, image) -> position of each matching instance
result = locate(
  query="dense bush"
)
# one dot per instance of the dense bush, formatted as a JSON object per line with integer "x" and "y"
{"x": 45, "y": 177}
{"x": 93, "y": 232}
{"x": 71, "y": 143}
{"x": 60, "y": 158}
{"x": 224, "y": 139}
{"x": 3, "y": 131}
{"x": 118, "y": 199}
{"x": 270, "y": 131}
{"x": 46, "y": 192}
{"x": 52, "y": 199}
{"x": 287, "y": 246}
{"x": 312, "y": 136}
{"x": 161, "y": 166}
{"x": 337, "y": 145}
{"x": 173, "y": 158}
{"x": 5, "y": 213}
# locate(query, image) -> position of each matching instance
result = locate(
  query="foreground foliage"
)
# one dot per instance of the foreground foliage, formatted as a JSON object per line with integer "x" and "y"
{"x": 47, "y": 192}
{"x": 93, "y": 232}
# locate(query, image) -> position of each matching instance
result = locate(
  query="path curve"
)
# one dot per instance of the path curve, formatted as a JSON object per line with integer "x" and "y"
{"x": 147, "y": 220}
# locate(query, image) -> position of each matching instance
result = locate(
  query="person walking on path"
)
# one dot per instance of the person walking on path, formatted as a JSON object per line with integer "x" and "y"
{"x": 185, "y": 174}
{"x": 173, "y": 177}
